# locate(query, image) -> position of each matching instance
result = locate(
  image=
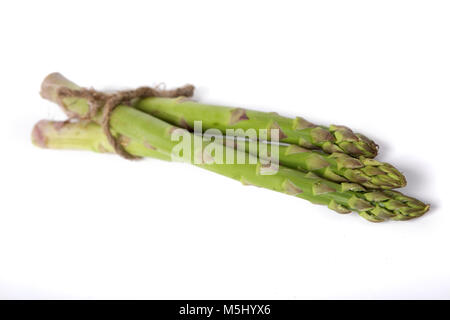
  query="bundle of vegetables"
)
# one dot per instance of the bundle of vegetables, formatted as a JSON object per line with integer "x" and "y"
{"x": 326, "y": 165}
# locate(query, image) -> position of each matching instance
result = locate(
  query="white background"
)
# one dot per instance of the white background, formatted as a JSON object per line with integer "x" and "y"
{"x": 84, "y": 225}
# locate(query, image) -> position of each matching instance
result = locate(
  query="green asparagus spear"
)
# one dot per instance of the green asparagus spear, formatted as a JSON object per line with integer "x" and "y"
{"x": 333, "y": 139}
{"x": 133, "y": 125}
{"x": 183, "y": 112}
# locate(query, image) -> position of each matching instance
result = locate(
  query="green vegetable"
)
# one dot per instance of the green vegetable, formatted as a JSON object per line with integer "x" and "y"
{"x": 144, "y": 135}
{"x": 183, "y": 112}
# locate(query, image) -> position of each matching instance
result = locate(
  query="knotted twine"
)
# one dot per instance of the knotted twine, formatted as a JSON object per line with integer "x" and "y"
{"x": 109, "y": 101}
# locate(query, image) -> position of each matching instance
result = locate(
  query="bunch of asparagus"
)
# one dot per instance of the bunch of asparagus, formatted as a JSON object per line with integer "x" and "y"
{"x": 331, "y": 166}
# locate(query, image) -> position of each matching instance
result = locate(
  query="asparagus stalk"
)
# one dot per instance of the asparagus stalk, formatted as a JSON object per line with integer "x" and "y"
{"x": 183, "y": 112}
{"x": 338, "y": 167}
{"x": 333, "y": 139}
{"x": 135, "y": 127}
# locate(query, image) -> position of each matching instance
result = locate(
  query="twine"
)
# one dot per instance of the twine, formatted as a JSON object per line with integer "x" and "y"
{"x": 97, "y": 100}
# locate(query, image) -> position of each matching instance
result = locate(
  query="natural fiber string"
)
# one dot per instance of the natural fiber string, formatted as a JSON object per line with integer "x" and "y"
{"x": 97, "y": 100}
